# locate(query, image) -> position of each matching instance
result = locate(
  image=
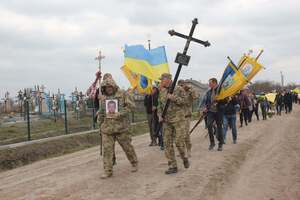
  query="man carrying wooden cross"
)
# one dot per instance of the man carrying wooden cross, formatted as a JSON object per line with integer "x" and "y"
{"x": 174, "y": 122}
{"x": 172, "y": 96}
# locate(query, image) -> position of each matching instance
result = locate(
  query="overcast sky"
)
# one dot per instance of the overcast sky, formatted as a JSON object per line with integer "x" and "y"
{"x": 54, "y": 42}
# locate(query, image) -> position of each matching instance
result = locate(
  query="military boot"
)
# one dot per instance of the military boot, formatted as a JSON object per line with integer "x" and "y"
{"x": 114, "y": 160}
{"x": 134, "y": 168}
{"x": 211, "y": 147}
{"x": 186, "y": 163}
{"x": 220, "y": 147}
{"x": 171, "y": 170}
{"x": 106, "y": 175}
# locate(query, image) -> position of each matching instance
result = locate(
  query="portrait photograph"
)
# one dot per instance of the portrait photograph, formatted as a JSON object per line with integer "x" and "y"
{"x": 111, "y": 106}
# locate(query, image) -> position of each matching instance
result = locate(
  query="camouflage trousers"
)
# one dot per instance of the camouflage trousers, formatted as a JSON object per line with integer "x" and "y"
{"x": 174, "y": 133}
{"x": 188, "y": 142}
{"x": 124, "y": 139}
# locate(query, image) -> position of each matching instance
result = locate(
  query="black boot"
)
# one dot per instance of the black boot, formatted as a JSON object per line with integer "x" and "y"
{"x": 114, "y": 160}
{"x": 171, "y": 170}
{"x": 220, "y": 147}
{"x": 211, "y": 147}
{"x": 186, "y": 163}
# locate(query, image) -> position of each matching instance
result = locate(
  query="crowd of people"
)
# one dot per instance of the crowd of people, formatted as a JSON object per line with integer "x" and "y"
{"x": 173, "y": 128}
{"x": 219, "y": 115}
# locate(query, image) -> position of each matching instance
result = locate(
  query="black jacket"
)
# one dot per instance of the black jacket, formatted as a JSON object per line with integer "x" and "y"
{"x": 230, "y": 108}
{"x": 149, "y": 101}
{"x": 279, "y": 99}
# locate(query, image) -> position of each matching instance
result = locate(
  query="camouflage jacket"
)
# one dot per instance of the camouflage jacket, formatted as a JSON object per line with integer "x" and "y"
{"x": 119, "y": 123}
{"x": 175, "y": 111}
{"x": 190, "y": 96}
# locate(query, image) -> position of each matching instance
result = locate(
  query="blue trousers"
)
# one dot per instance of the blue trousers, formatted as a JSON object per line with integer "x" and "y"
{"x": 230, "y": 120}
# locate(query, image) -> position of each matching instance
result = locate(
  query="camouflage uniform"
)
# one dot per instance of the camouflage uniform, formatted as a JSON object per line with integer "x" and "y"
{"x": 173, "y": 127}
{"x": 116, "y": 128}
{"x": 190, "y": 97}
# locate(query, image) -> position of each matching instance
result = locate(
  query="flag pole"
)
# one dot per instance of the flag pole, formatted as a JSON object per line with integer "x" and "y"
{"x": 257, "y": 57}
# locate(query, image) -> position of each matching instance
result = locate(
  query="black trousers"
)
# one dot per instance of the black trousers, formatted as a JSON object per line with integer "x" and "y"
{"x": 215, "y": 117}
{"x": 264, "y": 113}
{"x": 244, "y": 116}
{"x": 279, "y": 108}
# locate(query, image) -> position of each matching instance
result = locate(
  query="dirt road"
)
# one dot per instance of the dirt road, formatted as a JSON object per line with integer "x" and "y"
{"x": 264, "y": 165}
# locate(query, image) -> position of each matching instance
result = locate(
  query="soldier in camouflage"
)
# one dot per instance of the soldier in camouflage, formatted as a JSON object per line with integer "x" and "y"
{"x": 114, "y": 126}
{"x": 173, "y": 127}
{"x": 190, "y": 95}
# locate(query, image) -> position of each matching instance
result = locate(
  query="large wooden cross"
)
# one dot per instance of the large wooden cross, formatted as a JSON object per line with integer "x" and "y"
{"x": 183, "y": 58}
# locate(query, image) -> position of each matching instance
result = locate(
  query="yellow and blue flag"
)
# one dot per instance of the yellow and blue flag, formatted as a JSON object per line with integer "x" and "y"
{"x": 142, "y": 66}
{"x": 149, "y": 63}
{"x": 137, "y": 81}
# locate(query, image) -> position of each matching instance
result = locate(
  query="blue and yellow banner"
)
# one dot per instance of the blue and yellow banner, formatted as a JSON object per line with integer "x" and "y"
{"x": 249, "y": 67}
{"x": 232, "y": 81}
{"x": 235, "y": 78}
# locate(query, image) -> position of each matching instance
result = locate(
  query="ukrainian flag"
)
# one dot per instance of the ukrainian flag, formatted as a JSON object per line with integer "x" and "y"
{"x": 137, "y": 81}
{"x": 143, "y": 66}
{"x": 149, "y": 63}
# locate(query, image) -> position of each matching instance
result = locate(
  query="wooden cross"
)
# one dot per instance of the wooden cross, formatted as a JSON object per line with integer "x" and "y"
{"x": 183, "y": 58}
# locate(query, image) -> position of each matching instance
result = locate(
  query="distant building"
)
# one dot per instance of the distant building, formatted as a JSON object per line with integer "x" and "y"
{"x": 198, "y": 86}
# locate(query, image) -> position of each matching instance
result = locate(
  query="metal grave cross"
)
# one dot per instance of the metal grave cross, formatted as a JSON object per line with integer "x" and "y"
{"x": 183, "y": 58}
{"x": 100, "y": 57}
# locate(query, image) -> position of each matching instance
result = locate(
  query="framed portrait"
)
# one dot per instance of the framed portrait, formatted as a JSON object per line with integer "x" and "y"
{"x": 111, "y": 106}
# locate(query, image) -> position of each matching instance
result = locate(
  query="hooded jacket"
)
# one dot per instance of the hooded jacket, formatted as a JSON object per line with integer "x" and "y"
{"x": 119, "y": 122}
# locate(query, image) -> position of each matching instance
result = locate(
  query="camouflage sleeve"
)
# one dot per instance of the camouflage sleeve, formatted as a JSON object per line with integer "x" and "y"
{"x": 129, "y": 104}
{"x": 195, "y": 95}
{"x": 159, "y": 105}
{"x": 101, "y": 111}
{"x": 179, "y": 96}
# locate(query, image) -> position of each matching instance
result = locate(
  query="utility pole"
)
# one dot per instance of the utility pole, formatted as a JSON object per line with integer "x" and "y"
{"x": 282, "y": 79}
